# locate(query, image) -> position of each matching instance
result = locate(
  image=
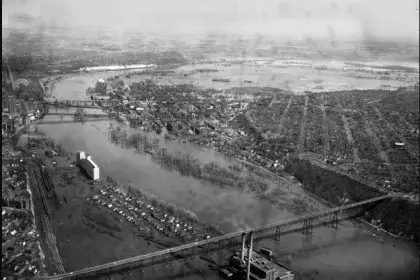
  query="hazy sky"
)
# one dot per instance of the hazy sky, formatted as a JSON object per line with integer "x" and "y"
{"x": 349, "y": 19}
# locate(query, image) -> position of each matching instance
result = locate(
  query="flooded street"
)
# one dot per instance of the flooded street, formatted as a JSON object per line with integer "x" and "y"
{"x": 349, "y": 253}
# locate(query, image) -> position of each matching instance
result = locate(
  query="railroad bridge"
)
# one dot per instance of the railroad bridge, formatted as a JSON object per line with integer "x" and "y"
{"x": 305, "y": 224}
{"x": 75, "y": 114}
{"x": 43, "y": 122}
{"x": 75, "y": 103}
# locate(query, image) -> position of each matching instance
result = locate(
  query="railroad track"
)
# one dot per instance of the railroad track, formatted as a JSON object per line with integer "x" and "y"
{"x": 39, "y": 184}
{"x": 45, "y": 215}
{"x": 52, "y": 244}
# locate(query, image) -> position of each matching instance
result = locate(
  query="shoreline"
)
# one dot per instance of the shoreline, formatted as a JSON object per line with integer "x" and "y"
{"x": 322, "y": 201}
{"x": 315, "y": 197}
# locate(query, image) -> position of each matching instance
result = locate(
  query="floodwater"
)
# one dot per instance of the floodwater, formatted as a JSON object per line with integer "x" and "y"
{"x": 231, "y": 209}
{"x": 73, "y": 86}
{"x": 294, "y": 77}
{"x": 349, "y": 253}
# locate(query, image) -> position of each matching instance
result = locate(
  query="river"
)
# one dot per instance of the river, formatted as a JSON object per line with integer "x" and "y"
{"x": 349, "y": 253}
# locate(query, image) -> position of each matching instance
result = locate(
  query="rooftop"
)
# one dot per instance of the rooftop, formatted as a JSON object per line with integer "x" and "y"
{"x": 262, "y": 262}
{"x": 89, "y": 161}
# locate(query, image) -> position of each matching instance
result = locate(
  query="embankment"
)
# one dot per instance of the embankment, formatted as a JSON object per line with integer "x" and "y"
{"x": 398, "y": 215}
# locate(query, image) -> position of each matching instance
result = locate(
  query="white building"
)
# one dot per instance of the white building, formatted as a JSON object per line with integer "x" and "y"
{"x": 85, "y": 161}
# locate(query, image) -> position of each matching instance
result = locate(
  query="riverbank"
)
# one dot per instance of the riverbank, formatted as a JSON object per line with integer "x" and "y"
{"x": 228, "y": 207}
{"x": 246, "y": 178}
{"x": 90, "y": 230}
{"x": 225, "y": 206}
{"x": 398, "y": 216}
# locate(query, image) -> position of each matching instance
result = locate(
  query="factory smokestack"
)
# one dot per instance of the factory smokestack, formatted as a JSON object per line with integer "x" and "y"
{"x": 243, "y": 247}
{"x": 248, "y": 266}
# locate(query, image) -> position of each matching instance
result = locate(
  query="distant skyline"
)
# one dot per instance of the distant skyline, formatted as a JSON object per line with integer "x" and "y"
{"x": 297, "y": 19}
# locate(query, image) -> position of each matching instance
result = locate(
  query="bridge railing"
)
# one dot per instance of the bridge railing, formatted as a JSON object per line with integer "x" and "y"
{"x": 137, "y": 259}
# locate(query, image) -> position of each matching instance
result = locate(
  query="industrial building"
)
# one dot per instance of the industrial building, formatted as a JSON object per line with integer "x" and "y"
{"x": 86, "y": 163}
{"x": 251, "y": 265}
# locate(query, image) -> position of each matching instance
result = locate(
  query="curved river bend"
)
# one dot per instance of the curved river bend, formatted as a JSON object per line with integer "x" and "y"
{"x": 351, "y": 253}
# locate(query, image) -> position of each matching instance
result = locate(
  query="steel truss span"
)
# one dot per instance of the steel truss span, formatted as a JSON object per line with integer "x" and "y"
{"x": 216, "y": 243}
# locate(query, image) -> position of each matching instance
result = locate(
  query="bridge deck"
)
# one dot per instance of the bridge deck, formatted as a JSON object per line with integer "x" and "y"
{"x": 137, "y": 259}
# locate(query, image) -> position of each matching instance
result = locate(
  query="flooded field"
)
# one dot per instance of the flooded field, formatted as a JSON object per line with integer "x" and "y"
{"x": 294, "y": 77}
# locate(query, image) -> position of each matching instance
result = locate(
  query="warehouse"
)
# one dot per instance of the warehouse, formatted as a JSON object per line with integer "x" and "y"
{"x": 86, "y": 163}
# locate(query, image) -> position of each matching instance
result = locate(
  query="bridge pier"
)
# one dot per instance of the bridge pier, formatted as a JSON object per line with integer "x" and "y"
{"x": 192, "y": 257}
{"x": 220, "y": 247}
{"x": 277, "y": 235}
{"x": 109, "y": 272}
{"x": 231, "y": 243}
{"x": 141, "y": 274}
{"x": 183, "y": 269}
{"x": 306, "y": 241}
{"x": 171, "y": 266}
{"x": 154, "y": 270}
{"x": 206, "y": 250}
{"x": 121, "y": 270}
{"x": 307, "y": 226}
{"x": 334, "y": 234}
{"x": 334, "y": 223}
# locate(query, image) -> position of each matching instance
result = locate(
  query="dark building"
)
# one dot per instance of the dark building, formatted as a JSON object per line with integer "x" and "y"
{"x": 266, "y": 252}
{"x": 171, "y": 127}
{"x": 263, "y": 269}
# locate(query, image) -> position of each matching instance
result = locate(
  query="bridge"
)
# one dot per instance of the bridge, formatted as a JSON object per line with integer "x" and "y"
{"x": 203, "y": 247}
{"x": 41, "y": 122}
{"x": 74, "y": 114}
{"x": 75, "y": 103}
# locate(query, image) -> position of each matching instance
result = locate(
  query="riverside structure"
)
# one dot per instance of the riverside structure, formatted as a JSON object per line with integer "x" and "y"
{"x": 305, "y": 224}
{"x": 87, "y": 164}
